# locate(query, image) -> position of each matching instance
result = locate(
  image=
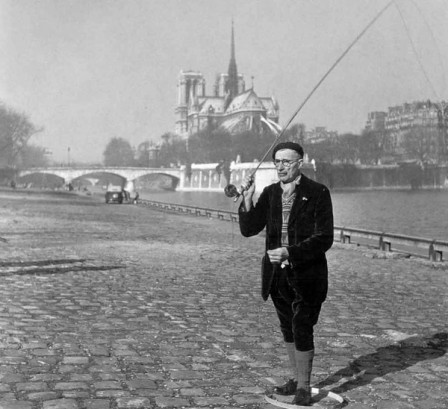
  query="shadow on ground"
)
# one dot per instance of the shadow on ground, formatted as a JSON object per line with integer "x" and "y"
{"x": 40, "y": 262}
{"x": 45, "y": 267}
{"x": 386, "y": 360}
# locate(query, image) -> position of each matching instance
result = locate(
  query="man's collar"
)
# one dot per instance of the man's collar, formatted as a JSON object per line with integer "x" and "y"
{"x": 296, "y": 181}
{"x": 290, "y": 188}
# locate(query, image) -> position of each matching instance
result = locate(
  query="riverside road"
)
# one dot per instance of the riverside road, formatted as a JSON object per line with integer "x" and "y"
{"x": 119, "y": 306}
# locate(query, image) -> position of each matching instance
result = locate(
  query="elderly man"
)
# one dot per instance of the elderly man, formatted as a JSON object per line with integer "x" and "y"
{"x": 298, "y": 216}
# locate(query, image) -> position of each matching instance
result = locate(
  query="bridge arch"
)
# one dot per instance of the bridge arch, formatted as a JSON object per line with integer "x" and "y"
{"x": 127, "y": 174}
{"x": 42, "y": 179}
{"x": 101, "y": 178}
{"x": 156, "y": 180}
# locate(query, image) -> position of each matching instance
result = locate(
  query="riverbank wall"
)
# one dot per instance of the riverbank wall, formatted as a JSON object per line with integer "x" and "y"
{"x": 214, "y": 177}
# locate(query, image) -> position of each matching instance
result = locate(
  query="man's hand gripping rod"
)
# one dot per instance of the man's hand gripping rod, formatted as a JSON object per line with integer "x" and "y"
{"x": 231, "y": 190}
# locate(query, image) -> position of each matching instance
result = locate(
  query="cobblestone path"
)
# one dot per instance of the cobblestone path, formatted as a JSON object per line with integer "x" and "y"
{"x": 117, "y": 306}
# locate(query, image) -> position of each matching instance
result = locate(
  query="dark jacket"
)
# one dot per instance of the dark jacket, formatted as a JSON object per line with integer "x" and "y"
{"x": 310, "y": 231}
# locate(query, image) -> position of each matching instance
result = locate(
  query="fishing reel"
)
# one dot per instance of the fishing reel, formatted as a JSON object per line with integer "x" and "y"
{"x": 233, "y": 192}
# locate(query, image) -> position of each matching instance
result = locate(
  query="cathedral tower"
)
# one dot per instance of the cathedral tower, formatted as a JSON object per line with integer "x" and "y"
{"x": 190, "y": 86}
{"x": 232, "y": 73}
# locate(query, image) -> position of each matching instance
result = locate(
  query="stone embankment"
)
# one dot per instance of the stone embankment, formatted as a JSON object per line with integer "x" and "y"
{"x": 119, "y": 306}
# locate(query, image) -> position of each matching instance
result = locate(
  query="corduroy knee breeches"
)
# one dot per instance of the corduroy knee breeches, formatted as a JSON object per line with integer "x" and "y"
{"x": 298, "y": 307}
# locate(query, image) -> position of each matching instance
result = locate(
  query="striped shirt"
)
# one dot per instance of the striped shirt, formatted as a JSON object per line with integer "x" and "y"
{"x": 286, "y": 211}
{"x": 288, "y": 198}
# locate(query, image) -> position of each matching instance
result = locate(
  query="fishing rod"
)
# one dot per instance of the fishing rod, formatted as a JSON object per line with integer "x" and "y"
{"x": 231, "y": 190}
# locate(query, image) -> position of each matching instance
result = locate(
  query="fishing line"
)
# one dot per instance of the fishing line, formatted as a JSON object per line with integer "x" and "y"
{"x": 414, "y": 48}
{"x": 434, "y": 41}
{"x": 231, "y": 190}
{"x": 335, "y": 64}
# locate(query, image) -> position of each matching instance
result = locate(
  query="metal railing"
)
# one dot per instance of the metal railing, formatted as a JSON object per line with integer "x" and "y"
{"x": 431, "y": 248}
{"x": 193, "y": 210}
{"x": 416, "y": 246}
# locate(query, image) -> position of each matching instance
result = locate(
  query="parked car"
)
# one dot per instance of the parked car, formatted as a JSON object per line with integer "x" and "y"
{"x": 114, "y": 194}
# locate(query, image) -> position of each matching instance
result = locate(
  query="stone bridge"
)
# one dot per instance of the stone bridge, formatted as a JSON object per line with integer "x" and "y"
{"x": 207, "y": 177}
{"x": 128, "y": 174}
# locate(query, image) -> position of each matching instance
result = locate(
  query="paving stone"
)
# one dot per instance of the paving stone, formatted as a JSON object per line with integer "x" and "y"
{"x": 139, "y": 360}
{"x": 150, "y": 376}
{"x": 253, "y": 389}
{"x": 192, "y": 392}
{"x": 211, "y": 400}
{"x": 9, "y": 376}
{"x": 187, "y": 375}
{"x": 80, "y": 377}
{"x": 75, "y": 394}
{"x": 429, "y": 403}
{"x": 106, "y": 369}
{"x": 111, "y": 393}
{"x": 75, "y": 360}
{"x": 60, "y": 404}
{"x": 133, "y": 403}
{"x": 124, "y": 353}
{"x": 165, "y": 402}
{"x": 11, "y": 360}
{"x": 34, "y": 345}
{"x": 47, "y": 377}
{"x": 71, "y": 385}
{"x": 107, "y": 385}
{"x": 97, "y": 351}
{"x": 248, "y": 399}
{"x": 97, "y": 404}
{"x": 10, "y": 404}
{"x": 141, "y": 384}
{"x": 41, "y": 396}
{"x": 43, "y": 352}
{"x": 64, "y": 369}
{"x": 152, "y": 392}
{"x": 31, "y": 386}
{"x": 13, "y": 353}
{"x": 389, "y": 404}
{"x": 353, "y": 405}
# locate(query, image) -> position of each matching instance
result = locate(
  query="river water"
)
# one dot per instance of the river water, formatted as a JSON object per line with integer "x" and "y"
{"x": 415, "y": 213}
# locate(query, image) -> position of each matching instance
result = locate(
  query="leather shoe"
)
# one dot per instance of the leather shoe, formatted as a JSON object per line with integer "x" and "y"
{"x": 289, "y": 388}
{"x": 302, "y": 397}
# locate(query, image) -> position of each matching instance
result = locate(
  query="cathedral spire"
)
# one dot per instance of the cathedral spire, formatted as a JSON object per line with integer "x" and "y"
{"x": 232, "y": 80}
{"x": 232, "y": 45}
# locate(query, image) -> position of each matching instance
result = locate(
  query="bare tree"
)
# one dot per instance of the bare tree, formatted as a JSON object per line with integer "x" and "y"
{"x": 118, "y": 152}
{"x": 372, "y": 146}
{"x": 420, "y": 143}
{"x": 296, "y": 133}
{"x": 33, "y": 156}
{"x": 15, "y": 131}
{"x": 347, "y": 148}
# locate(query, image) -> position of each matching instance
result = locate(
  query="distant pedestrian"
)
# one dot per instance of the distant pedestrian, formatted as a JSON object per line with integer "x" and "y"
{"x": 298, "y": 216}
{"x": 126, "y": 195}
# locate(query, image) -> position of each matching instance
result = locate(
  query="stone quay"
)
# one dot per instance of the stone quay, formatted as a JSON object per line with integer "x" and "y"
{"x": 119, "y": 306}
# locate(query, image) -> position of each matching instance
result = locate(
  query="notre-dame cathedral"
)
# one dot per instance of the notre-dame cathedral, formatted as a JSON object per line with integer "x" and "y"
{"x": 231, "y": 106}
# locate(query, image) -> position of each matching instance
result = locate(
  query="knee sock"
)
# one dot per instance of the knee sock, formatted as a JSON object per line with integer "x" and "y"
{"x": 291, "y": 349}
{"x": 304, "y": 362}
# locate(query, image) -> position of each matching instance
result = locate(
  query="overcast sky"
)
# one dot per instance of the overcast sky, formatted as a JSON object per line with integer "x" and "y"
{"x": 90, "y": 70}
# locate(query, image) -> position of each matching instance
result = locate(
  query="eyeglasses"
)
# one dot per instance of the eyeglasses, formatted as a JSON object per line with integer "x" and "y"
{"x": 287, "y": 163}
